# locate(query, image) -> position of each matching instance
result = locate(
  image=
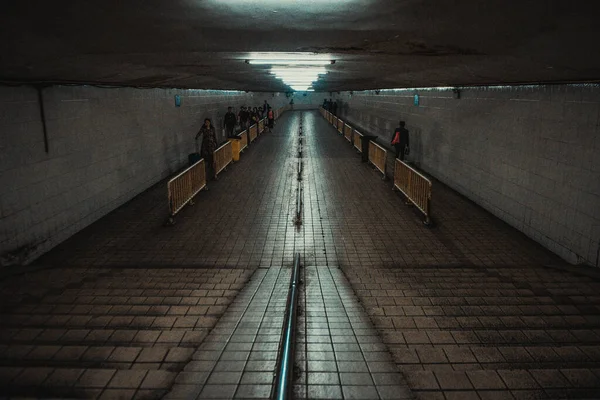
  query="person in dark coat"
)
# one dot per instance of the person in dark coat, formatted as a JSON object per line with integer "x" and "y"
{"x": 208, "y": 147}
{"x": 229, "y": 122}
{"x": 334, "y": 108}
{"x": 243, "y": 118}
{"x": 400, "y": 141}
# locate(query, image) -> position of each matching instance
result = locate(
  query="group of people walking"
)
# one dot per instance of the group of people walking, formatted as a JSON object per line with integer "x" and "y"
{"x": 330, "y": 106}
{"x": 247, "y": 116}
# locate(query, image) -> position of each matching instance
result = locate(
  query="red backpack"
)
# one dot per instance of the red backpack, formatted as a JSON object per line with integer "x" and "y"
{"x": 396, "y": 138}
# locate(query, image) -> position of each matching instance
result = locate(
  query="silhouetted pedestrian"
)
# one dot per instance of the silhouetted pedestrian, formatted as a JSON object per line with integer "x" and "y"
{"x": 334, "y": 108}
{"x": 229, "y": 122}
{"x": 208, "y": 147}
{"x": 243, "y": 118}
{"x": 400, "y": 141}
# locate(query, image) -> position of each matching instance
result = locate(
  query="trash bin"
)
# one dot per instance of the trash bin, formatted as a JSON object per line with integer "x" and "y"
{"x": 365, "y": 146}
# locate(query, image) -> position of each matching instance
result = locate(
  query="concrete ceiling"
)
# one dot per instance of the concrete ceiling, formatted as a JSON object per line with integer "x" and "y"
{"x": 376, "y": 43}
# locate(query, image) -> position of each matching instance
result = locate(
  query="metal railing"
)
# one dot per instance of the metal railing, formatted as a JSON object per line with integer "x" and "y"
{"x": 357, "y": 140}
{"x": 253, "y": 133}
{"x": 183, "y": 187}
{"x": 377, "y": 156}
{"x": 340, "y": 126}
{"x": 415, "y": 186}
{"x": 329, "y": 117}
{"x": 261, "y": 126}
{"x": 222, "y": 157}
{"x": 348, "y": 132}
{"x": 243, "y": 140}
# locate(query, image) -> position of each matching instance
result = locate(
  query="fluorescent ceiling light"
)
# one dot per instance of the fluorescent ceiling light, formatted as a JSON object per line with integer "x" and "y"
{"x": 300, "y": 88}
{"x": 296, "y": 70}
{"x": 296, "y": 74}
{"x": 298, "y": 78}
{"x": 290, "y": 62}
{"x": 314, "y": 70}
{"x": 298, "y": 82}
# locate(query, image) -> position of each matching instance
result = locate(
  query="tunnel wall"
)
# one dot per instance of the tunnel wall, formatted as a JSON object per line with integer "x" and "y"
{"x": 106, "y": 145}
{"x": 528, "y": 154}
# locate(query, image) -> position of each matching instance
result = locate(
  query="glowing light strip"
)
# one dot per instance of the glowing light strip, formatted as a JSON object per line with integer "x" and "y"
{"x": 290, "y": 62}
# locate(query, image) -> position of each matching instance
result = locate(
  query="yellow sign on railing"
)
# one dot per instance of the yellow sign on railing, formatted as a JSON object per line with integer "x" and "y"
{"x": 357, "y": 140}
{"x": 377, "y": 156}
{"x": 261, "y": 126}
{"x": 414, "y": 186}
{"x": 222, "y": 157}
{"x": 238, "y": 145}
{"x": 348, "y": 133}
{"x": 183, "y": 187}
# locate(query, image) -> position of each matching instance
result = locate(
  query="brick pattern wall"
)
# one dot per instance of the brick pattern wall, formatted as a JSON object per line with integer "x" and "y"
{"x": 106, "y": 146}
{"x": 530, "y": 155}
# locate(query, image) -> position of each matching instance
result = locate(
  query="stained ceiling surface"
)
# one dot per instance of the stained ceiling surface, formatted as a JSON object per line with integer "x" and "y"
{"x": 375, "y": 43}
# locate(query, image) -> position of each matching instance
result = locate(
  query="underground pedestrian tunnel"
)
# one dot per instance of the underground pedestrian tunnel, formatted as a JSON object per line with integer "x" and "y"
{"x": 304, "y": 256}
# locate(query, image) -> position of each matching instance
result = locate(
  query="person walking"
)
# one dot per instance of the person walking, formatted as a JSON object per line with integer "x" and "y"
{"x": 243, "y": 118}
{"x": 254, "y": 116}
{"x": 229, "y": 122}
{"x": 208, "y": 147}
{"x": 271, "y": 118}
{"x": 400, "y": 141}
{"x": 334, "y": 108}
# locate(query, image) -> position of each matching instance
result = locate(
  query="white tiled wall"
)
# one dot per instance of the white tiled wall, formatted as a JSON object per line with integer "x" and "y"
{"x": 530, "y": 155}
{"x": 105, "y": 147}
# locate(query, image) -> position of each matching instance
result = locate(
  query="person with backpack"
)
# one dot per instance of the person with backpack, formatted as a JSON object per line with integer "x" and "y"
{"x": 400, "y": 141}
{"x": 271, "y": 118}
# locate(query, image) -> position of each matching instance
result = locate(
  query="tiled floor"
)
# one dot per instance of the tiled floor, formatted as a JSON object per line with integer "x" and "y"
{"x": 237, "y": 360}
{"x": 469, "y": 309}
{"x": 90, "y": 332}
{"x": 339, "y": 354}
